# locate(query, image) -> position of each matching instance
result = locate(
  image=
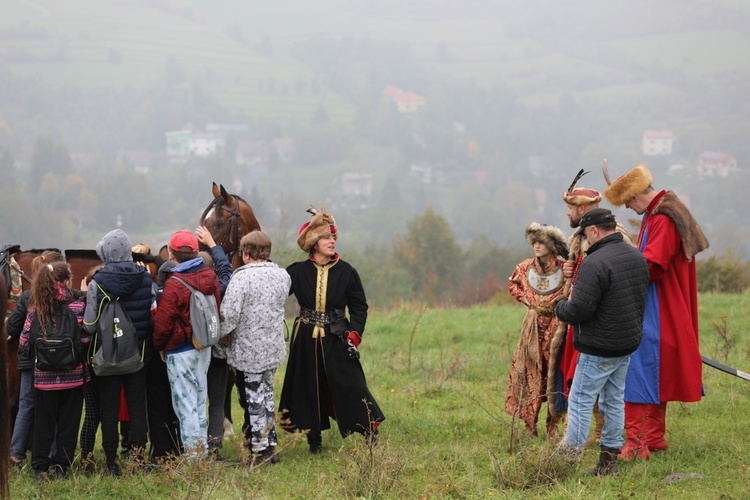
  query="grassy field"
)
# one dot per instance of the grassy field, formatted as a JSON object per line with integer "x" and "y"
{"x": 440, "y": 376}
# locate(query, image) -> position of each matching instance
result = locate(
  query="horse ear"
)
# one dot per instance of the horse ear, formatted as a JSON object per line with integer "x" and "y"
{"x": 224, "y": 193}
{"x": 215, "y": 190}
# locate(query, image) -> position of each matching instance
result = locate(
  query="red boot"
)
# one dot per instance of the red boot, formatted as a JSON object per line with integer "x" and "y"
{"x": 656, "y": 417}
{"x": 636, "y": 429}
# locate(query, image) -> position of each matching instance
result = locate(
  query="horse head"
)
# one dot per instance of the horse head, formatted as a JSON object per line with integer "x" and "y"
{"x": 228, "y": 218}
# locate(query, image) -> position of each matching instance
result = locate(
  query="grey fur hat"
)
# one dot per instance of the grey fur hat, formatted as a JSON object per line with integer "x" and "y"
{"x": 549, "y": 236}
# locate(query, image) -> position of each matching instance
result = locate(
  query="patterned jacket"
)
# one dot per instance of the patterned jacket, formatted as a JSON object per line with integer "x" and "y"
{"x": 253, "y": 314}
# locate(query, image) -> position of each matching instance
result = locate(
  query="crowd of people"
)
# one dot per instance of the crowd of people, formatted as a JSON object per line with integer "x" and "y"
{"x": 610, "y": 331}
{"x": 613, "y": 330}
{"x": 169, "y": 399}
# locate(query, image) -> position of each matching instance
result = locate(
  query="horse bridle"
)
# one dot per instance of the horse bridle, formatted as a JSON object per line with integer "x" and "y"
{"x": 232, "y": 229}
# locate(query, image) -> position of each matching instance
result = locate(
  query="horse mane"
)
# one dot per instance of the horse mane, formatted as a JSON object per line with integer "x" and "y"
{"x": 85, "y": 253}
{"x": 41, "y": 250}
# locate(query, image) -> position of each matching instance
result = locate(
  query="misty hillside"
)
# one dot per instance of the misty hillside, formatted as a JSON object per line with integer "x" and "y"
{"x": 482, "y": 110}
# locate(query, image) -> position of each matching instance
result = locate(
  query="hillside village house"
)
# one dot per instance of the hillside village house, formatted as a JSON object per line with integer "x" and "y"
{"x": 178, "y": 144}
{"x": 716, "y": 164}
{"x": 658, "y": 142}
{"x": 205, "y": 145}
{"x": 406, "y": 102}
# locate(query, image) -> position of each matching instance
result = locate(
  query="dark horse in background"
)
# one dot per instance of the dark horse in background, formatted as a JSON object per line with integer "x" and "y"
{"x": 228, "y": 218}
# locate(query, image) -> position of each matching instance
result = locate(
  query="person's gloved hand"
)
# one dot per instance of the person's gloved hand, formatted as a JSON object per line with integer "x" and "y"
{"x": 352, "y": 341}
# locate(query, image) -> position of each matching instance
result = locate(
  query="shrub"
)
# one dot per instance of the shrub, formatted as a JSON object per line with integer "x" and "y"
{"x": 726, "y": 273}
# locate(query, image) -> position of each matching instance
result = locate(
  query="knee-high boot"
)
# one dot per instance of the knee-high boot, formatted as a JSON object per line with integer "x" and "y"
{"x": 636, "y": 428}
{"x": 657, "y": 425}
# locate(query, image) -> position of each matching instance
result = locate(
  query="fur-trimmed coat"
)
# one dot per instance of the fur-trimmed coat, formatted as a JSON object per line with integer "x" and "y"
{"x": 667, "y": 366}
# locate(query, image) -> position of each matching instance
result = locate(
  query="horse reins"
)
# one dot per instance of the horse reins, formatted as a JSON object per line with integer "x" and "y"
{"x": 234, "y": 225}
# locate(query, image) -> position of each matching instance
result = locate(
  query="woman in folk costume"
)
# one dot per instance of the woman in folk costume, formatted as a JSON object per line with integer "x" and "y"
{"x": 667, "y": 365}
{"x": 324, "y": 378}
{"x": 537, "y": 283}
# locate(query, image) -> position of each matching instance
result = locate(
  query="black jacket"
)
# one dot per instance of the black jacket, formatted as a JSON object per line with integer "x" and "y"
{"x": 608, "y": 301}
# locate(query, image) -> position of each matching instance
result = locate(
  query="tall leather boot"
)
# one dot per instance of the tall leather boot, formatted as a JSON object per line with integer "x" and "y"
{"x": 315, "y": 442}
{"x": 599, "y": 425}
{"x": 636, "y": 430}
{"x": 607, "y": 465}
{"x": 657, "y": 425}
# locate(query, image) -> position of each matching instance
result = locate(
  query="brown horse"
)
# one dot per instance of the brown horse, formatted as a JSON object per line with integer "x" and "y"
{"x": 228, "y": 218}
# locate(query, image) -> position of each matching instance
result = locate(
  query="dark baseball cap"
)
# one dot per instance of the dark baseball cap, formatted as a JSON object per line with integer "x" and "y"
{"x": 596, "y": 217}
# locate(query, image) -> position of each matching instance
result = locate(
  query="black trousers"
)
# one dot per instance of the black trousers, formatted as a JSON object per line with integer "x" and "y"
{"x": 57, "y": 415}
{"x": 109, "y": 398}
{"x": 91, "y": 416}
{"x": 217, "y": 391}
{"x": 163, "y": 425}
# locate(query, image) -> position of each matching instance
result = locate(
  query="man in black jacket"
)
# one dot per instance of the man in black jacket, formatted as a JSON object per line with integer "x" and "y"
{"x": 606, "y": 308}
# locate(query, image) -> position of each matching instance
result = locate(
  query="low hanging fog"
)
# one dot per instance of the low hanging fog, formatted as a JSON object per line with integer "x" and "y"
{"x": 123, "y": 113}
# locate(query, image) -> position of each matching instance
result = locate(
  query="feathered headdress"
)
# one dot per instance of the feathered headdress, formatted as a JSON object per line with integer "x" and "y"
{"x": 580, "y": 195}
{"x": 322, "y": 224}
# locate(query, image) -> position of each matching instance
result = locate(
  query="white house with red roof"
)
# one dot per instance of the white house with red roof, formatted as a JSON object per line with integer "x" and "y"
{"x": 406, "y": 102}
{"x": 716, "y": 164}
{"x": 658, "y": 142}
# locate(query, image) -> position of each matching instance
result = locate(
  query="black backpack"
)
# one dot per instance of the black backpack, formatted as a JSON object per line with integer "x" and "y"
{"x": 59, "y": 349}
{"x": 120, "y": 352}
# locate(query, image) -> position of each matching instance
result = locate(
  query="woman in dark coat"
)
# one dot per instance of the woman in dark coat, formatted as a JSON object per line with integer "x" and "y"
{"x": 324, "y": 378}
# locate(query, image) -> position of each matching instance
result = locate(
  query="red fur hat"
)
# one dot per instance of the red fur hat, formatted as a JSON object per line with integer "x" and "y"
{"x": 582, "y": 196}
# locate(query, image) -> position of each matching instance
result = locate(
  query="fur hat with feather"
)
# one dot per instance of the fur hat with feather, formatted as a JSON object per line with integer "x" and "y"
{"x": 549, "y": 236}
{"x": 579, "y": 195}
{"x": 321, "y": 225}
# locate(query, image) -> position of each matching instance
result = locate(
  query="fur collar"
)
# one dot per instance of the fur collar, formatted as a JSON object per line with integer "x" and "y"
{"x": 693, "y": 239}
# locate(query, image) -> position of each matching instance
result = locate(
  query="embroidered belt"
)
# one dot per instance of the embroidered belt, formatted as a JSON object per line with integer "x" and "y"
{"x": 320, "y": 319}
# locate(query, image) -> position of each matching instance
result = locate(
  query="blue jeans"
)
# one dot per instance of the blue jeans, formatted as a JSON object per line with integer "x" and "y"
{"x": 21, "y": 440}
{"x": 603, "y": 377}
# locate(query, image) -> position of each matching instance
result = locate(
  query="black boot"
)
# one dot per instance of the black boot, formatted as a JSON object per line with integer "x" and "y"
{"x": 607, "y": 465}
{"x": 315, "y": 440}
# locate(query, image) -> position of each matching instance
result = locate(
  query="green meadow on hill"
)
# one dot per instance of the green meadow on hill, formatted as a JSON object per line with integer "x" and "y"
{"x": 440, "y": 377}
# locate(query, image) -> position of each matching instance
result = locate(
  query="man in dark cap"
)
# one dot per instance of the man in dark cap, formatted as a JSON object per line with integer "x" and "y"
{"x": 606, "y": 306}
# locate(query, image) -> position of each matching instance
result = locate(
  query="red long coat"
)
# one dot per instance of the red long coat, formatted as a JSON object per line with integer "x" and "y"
{"x": 667, "y": 365}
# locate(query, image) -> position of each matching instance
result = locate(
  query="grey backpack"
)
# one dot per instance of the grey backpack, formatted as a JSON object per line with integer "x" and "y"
{"x": 204, "y": 317}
